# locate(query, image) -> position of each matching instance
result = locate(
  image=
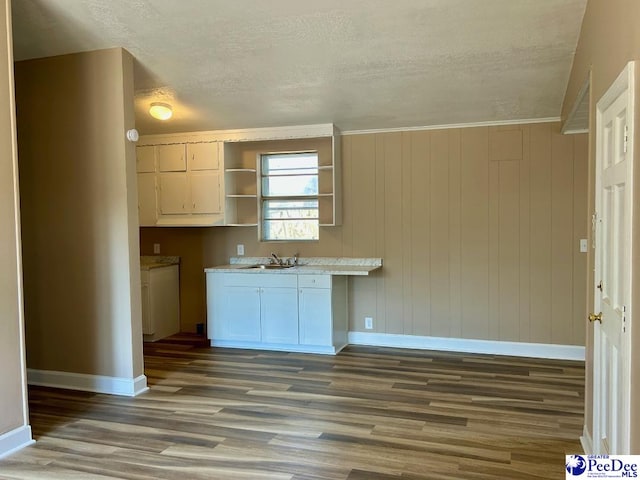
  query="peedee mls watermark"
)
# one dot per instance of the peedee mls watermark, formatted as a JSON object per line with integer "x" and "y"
{"x": 602, "y": 466}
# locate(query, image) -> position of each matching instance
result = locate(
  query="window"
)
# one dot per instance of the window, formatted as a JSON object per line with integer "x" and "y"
{"x": 290, "y": 196}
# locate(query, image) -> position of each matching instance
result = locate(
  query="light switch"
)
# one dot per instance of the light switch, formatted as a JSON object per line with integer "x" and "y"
{"x": 156, "y": 249}
{"x": 584, "y": 246}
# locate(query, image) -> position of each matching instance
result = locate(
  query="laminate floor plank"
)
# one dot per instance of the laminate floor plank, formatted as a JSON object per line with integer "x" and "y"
{"x": 366, "y": 414}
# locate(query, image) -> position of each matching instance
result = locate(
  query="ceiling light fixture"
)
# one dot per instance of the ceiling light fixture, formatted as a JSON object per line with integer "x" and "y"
{"x": 161, "y": 111}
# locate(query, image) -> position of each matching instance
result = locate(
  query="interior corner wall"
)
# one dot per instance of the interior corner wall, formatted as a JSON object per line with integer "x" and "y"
{"x": 79, "y": 214}
{"x": 13, "y": 397}
{"x": 609, "y": 39}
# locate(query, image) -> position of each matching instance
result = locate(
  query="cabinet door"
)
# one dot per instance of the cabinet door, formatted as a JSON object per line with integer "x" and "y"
{"x": 205, "y": 192}
{"x": 145, "y": 159}
{"x": 147, "y": 212}
{"x": 279, "y": 315}
{"x": 203, "y": 156}
{"x": 240, "y": 313}
{"x": 147, "y": 325}
{"x": 171, "y": 158}
{"x": 315, "y": 316}
{"x": 173, "y": 194}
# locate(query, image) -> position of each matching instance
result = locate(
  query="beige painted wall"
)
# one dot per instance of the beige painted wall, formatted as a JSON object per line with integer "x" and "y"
{"x": 610, "y": 38}
{"x": 79, "y": 214}
{"x": 478, "y": 228}
{"x": 13, "y": 399}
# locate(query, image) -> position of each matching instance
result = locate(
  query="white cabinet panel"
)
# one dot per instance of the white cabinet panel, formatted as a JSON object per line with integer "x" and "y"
{"x": 315, "y": 316}
{"x": 160, "y": 302}
{"x": 147, "y": 206}
{"x": 240, "y": 313}
{"x": 205, "y": 193}
{"x": 279, "y": 315}
{"x": 173, "y": 194}
{"x": 145, "y": 159}
{"x": 203, "y": 156}
{"x": 171, "y": 158}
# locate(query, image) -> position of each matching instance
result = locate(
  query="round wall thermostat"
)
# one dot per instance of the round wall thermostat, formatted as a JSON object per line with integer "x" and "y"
{"x": 132, "y": 135}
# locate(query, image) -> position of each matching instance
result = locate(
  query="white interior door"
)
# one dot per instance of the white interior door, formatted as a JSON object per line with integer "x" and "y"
{"x": 612, "y": 312}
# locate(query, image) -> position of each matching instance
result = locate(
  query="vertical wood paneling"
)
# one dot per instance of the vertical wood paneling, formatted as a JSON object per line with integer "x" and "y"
{"x": 540, "y": 327}
{"x": 561, "y": 238}
{"x": 509, "y": 254}
{"x": 407, "y": 226}
{"x": 580, "y": 229}
{"x": 359, "y": 154}
{"x": 362, "y": 192}
{"x": 494, "y": 250}
{"x": 439, "y": 235}
{"x": 420, "y": 281}
{"x": 455, "y": 254}
{"x": 525, "y": 238}
{"x": 392, "y": 153}
{"x": 348, "y": 196}
{"x": 474, "y": 235}
{"x": 380, "y": 320}
{"x": 478, "y": 229}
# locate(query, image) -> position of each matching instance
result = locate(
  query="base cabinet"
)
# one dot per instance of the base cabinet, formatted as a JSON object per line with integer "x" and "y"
{"x": 160, "y": 302}
{"x": 300, "y": 313}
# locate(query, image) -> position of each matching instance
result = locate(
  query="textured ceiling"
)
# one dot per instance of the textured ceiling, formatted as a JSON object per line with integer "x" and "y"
{"x": 361, "y": 64}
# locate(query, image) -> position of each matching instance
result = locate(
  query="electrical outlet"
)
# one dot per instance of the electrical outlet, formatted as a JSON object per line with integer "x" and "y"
{"x": 156, "y": 249}
{"x": 368, "y": 323}
{"x": 240, "y": 249}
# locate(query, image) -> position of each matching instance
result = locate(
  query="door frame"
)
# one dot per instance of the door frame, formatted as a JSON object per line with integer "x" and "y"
{"x": 624, "y": 82}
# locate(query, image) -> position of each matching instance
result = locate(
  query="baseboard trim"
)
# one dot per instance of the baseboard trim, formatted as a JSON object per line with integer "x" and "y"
{"x": 15, "y": 440}
{"x": 493, "y": 347}
{"x": 278, "y": 347}
{"x": 128, "y": 387}
{"x": 586, "y": 442}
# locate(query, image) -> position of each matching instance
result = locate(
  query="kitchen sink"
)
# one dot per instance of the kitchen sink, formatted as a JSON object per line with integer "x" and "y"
{"x": 269, "y": 266}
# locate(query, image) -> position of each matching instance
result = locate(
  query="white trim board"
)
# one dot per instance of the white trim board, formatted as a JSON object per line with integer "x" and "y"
{"x": 586, "y": 442}
{"x": 129, "y": 387}
{"x": 15, "y": 440}
{"x": 491, "y": 347}
{"x": 497, "y": 123}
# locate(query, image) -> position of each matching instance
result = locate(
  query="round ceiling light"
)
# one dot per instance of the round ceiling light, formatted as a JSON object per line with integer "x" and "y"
{"x": 161, "y": 111}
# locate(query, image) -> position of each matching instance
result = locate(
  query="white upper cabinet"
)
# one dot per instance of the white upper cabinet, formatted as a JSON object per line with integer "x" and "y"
{"x": 146, "y": 159}
{"x": 147, "y": 206}
{"x": 181, "y": 184}
{"x": 172, "y": 158}
{"x": 205, "y": 193}
{"x": 203, "y": 156}
{"x": 174, "y": 191}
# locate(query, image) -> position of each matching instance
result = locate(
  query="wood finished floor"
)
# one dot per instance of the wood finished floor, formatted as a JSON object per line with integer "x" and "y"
{"x": 366, "y": 414}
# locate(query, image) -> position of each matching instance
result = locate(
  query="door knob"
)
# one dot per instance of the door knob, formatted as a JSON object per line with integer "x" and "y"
{"x": 595, "y": 317}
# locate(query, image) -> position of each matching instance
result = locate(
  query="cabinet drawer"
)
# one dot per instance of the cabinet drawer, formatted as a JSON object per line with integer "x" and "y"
{"x": 259, "y": 280}
{"x": 314, "y": 281}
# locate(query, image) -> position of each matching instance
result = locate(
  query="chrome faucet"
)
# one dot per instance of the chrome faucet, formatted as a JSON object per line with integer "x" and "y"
{"x": 275, "y": 260}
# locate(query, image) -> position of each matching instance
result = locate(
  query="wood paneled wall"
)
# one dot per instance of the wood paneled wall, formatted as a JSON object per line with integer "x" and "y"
{"x": 479, "y": 230}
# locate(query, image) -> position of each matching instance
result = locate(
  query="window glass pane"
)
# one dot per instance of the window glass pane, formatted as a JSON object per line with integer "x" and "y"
{"x": 290, "y": 209}
{"x": 291, "y": 186}
{"x": 290, "y": 163}
{"x": 290, "y": 230}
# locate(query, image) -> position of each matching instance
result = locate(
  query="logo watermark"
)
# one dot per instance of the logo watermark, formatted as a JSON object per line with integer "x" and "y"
{"x": 602, "y": 466}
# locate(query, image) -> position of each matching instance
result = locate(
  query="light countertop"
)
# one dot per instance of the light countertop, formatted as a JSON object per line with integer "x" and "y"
{"x": 306, "y": 266}
{"x": 148, "y": 262}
